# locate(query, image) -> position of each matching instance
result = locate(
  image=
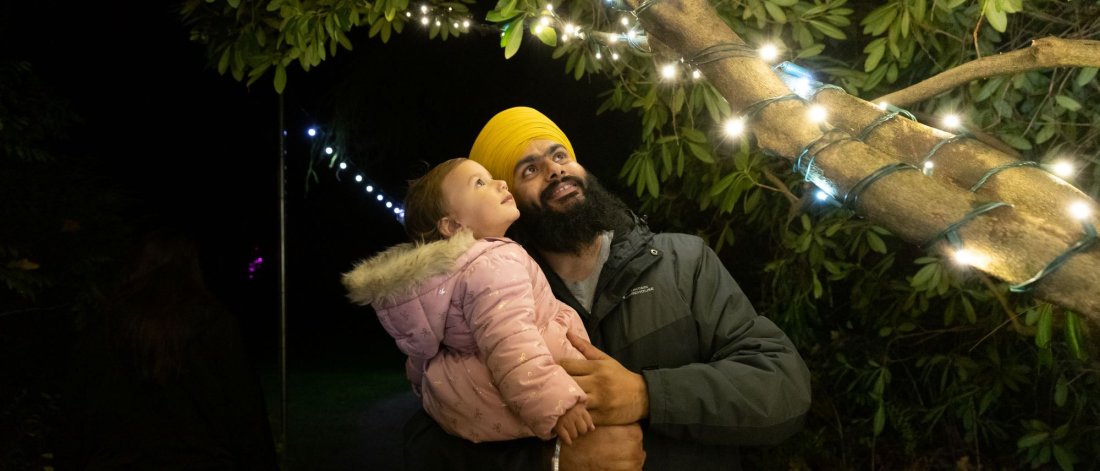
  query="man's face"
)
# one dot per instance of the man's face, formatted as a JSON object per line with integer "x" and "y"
{"x": 547, "y": 177}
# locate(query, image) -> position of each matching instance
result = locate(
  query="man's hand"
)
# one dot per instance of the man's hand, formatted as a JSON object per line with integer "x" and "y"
{"x": 608, "y": 448}
{"x": 573, "y": 423}
{"x": 616, "y": 395}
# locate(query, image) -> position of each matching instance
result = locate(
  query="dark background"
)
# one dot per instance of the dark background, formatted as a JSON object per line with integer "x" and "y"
{"x": 161, "y": 125}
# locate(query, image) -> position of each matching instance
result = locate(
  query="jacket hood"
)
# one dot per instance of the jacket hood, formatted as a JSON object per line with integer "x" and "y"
{"x": 400, "y": 271}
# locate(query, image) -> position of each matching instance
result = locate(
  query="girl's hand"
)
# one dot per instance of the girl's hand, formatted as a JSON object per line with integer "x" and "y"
{"x": 574, "y": 423}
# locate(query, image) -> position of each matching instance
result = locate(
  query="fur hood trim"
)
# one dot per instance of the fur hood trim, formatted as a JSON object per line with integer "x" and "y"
{"x": 398, "y": 272}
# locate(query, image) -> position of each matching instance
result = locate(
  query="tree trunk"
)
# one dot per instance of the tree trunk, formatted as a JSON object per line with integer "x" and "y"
{"x": 1019, "y": 240}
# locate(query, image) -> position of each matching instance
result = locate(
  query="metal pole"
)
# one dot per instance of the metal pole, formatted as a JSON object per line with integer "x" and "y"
{"x": 282, "y": 280}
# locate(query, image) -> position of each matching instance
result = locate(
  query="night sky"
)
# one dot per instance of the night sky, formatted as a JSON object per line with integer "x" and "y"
{"x": 162, "y": 126}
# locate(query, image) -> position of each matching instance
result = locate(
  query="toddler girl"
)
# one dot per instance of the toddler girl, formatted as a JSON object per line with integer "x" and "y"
{"x": 463, "y": 290}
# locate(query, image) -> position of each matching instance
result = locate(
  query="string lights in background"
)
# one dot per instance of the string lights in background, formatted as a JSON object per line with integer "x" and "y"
{"x": 372, "y": 189}
{"x": 804, "y": 88}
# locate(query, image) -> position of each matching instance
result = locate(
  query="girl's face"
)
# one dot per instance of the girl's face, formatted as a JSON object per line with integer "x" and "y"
{"x": 474, "y": 200}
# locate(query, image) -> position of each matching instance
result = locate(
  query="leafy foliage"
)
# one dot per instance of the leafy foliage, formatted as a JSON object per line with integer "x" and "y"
{"x": 916, "y": 361}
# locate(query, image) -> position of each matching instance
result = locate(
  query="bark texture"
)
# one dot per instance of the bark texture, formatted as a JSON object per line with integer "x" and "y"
{"x": 1019, "y": 240}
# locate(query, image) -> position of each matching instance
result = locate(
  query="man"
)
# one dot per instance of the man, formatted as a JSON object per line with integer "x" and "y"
{"x": 690, "y": 370}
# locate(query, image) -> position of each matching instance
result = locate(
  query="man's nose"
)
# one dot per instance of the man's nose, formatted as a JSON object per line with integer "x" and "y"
{"x": 554, "y": 170}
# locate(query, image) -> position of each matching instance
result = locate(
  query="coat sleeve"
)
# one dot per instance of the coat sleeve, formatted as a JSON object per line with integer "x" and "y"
{"x": 499, "y": 306}
{"x": 752, "y": 389}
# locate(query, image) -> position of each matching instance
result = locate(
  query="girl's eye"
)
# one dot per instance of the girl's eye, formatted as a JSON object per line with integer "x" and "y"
{"x": 479, "y": 182}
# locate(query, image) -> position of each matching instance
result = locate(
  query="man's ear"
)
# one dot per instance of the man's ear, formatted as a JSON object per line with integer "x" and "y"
{"x": 448, "y": 227}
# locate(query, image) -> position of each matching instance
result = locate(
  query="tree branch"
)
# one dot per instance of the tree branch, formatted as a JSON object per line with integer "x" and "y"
{"x": 1044, "y": 53}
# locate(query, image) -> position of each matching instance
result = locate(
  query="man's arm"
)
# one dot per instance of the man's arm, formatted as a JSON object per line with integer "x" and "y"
{"x": 752, "y": 390}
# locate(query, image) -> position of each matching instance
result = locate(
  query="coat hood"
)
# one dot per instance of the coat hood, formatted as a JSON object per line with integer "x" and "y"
{"x": 400, "y": 271}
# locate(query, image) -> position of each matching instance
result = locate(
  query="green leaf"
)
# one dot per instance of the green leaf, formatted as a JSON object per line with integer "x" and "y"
{"x": 280, "y": 78}
{"x": 1067, "y": 102}
{"x": 223, "y": 62}
{"x": 234, "y": 3}
{"x": 548, "y": 36}
{"x": 1032, "y": 439}
{"x": 1073, "y": 335}
{"x": 876, "y": 242}
{"x": 880, "y": 418}
{"x": 1016, "y": 141}
{"x": 810, "y": 51}
{"x": 997, "y": 19}
{"x": 923, "y": 275}
{"x": 874, "y": 50}
{"x": 1061, "y": 392}
{"x": 828, "y": 30}
{"x": 513, "y": 37}
{"x": 1084, "y": 76}
{"x": 1046, "y": 324}
{"x": 1064, "y": 457}
{"x": 274, "y": 5}
{"x": 775, "y": 12}
{"x": 700, "y": 152}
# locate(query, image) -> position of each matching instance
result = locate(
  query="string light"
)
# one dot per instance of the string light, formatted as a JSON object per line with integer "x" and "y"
{"x": 599, "y": 55}
{"x": 625, "y": 21}
{"x": 695, "y": 74}
{"x": 971, "y": 258}
{"x": 882, "y": 105}
{"x": 1063, "y": 169}
{"x": 398, "y": 212}
{"x": 424, "y": 9}
{"x": 817, "y": 114}
{"x": 669, "y": 71}
{"x": 734, "y": 127}
{"x": 952, "y": 121}
{"x": 424, "y": 20}
{"x": 1080, "y": 210}
{"x": 769, "y": 52}
{"x": 614, "y": 56}
{"x": 821, "y": 195}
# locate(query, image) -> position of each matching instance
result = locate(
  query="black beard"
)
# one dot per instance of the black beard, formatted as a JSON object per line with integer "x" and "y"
{"x": 574, "y": 228}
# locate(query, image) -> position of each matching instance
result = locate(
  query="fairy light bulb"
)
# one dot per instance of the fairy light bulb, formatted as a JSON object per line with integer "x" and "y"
{"x": 379, "y": 198}
{"x": 424, "y": 20}
{"x": 695, "y": 74}
{"x": 370, "y": 189}
{"x": 614, "y": 56}
{"x": 821, "y": 195}
{"x": 882, "y": 105}
{"x": 817, "y": 114}
{"x": 312, "y": 132}
{"x": 625, "y": 21}
{"x": 1080, "y": 210}
{"x": 971, "y": 258}
{"x": 734, "y": 127}
{"x": 343, "y": 166}
{"x": 1063, "y": 168}
{"x": 669, "y": 71}
{"x": 769, "y": 52}
{"x": 466, "y": 23}
{"x": 328, "y": 150}
{"x": 549, "y": 7}
{"x": 545, "y": 21}
{"x": 599, "y": 55}
{"x": 424, "y": 9}
{"x": 358, "y": 178}
{"x": 952, "y": 121}
{"x": 389, "y": 204}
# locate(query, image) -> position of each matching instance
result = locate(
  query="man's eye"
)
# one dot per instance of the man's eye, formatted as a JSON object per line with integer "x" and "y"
{"x": 528, "y": 170}
{"x": 559, "y": 156}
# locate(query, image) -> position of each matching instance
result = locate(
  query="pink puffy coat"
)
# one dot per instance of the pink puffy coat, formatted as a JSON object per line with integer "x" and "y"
{"x": 484, "y": 304}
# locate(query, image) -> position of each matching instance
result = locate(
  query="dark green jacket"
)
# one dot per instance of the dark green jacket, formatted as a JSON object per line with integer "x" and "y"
{"x": 718, "y": 374}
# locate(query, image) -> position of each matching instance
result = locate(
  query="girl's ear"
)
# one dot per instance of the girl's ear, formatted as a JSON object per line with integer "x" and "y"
{"x": 448, "y": 227}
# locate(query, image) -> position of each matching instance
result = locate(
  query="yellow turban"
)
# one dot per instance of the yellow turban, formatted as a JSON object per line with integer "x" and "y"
{"x": 504, "y": 138}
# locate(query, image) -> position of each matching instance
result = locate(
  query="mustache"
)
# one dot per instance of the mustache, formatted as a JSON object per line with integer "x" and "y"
{"x": 546, "y": 193}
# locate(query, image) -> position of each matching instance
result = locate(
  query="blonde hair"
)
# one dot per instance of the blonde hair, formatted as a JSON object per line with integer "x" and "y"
{"x": 424, "y": 203}
{"x": 501, "y": 143}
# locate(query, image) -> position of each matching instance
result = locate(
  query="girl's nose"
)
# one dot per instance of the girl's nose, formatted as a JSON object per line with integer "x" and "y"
{"x": 503, "y": 185}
